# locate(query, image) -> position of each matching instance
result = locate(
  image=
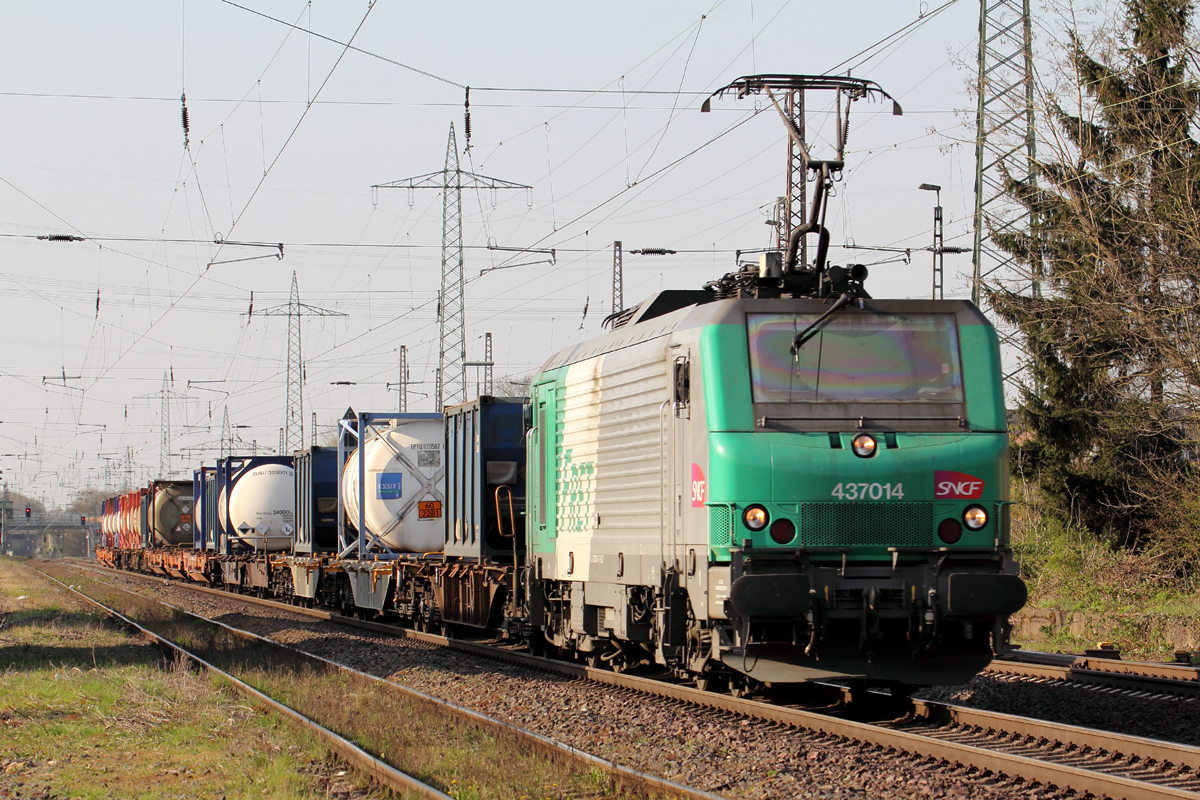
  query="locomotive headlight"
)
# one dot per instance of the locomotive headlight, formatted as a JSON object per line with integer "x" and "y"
{"x": 864, "y": 445}
{"x": 755, "y": 517}
{"x": 975, "y": 517}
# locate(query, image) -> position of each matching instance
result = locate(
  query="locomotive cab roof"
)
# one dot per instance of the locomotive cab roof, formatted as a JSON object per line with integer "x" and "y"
{"x": 677, "y": 309}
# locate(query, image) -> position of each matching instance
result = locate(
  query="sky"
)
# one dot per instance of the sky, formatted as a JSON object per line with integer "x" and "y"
{"x": 595, "y": 106}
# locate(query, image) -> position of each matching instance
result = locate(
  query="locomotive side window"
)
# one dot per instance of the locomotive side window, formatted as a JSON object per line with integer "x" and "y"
{"x": 683, "y": 383}
{"x": 892, "y": 358}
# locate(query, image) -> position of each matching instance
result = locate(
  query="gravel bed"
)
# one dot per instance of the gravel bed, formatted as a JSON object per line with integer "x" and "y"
{"x": 707, "y": 749}
{"x": 1168, "y": 718}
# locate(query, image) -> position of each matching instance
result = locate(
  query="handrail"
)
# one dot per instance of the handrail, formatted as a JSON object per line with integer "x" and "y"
{"x": 512, "y": 519}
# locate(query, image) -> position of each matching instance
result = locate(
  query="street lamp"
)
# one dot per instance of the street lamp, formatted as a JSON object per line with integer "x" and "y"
{"x": 938, "y": 253}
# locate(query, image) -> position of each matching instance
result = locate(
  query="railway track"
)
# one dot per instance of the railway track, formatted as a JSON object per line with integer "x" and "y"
{"x": 625, "y": 782}
{"x": 381, "y": 771}
{"x": 1134, "y": 677}
{"x": 1067, "y": 757}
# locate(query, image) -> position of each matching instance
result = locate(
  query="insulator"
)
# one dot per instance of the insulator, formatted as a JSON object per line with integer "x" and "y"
{"x": 184, "y": 115}
{"x": 467, "y": 125}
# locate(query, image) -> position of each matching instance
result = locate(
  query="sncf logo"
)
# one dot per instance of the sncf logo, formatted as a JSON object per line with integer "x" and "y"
{"x": 949, "y": 485}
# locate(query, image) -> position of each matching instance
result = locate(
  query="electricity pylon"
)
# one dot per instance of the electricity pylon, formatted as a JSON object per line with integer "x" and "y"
{"x": 618, "y": 276}
{"x": 164, "y": 420}
{"x": 226, "y": 436}
{"x": 293, "y": 427}
{"x": 164, "y": 452}
{"x": 489, "y": 386}
{"x": 452, "y": 314}
{"x": 1005, "y": 140}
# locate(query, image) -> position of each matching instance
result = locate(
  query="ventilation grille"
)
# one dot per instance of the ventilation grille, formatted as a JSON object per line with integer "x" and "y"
{"x": 720, "y": 521}
{"x": 847, "y": 524}
{"x": 1005, "y": 523}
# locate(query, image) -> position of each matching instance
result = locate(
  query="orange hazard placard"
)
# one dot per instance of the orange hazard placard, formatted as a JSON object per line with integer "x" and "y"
{"x": 429, "y": 509}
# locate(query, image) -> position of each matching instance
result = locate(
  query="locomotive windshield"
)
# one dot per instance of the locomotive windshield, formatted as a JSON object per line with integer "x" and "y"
{"x": 891, "y": 358}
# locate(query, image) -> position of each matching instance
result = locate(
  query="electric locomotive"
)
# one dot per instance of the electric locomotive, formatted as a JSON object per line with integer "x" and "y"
{"x": 776, "y": 478}
{"x": 705, "y": 494}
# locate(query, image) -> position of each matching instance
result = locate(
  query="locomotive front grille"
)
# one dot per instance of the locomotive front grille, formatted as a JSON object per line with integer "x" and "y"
{"x": 846, "y": 524}
{"x": 720, "y": 526}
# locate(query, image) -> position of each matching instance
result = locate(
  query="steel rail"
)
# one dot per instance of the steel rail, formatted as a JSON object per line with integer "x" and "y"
{"x": 628, "y": 777}
{"x": 926, "y": 745}
{"x": 1133, "y": 676}
{"x": 1140, "y": 747}
{"x": 1182, "y": 672}
{"x": 381, "y": 771}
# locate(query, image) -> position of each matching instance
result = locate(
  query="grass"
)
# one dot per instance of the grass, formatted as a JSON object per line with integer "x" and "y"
{"x": 1096, "y": 592}
{"x": 89, "y": 711}
{"x": 462, "y": 758}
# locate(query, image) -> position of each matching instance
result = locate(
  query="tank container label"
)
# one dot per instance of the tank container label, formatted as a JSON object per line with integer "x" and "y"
{"x": 429, "y": 454}
{"x": 388, "y": 486}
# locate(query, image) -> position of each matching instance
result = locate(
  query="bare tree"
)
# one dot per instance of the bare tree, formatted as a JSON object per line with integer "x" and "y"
{"x": 514, "y": 385}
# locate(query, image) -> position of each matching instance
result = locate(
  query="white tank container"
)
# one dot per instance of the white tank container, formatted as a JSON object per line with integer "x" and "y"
{"x": 264, "y": 501}
{"x": 405, "y": 467}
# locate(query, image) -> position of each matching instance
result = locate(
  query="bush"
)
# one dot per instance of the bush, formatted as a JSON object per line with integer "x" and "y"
{"x": 1071, "y": 568}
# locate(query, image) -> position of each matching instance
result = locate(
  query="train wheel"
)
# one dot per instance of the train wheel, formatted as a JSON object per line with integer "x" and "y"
{"x": 540, "y": 646}
{"x": 739, "y": 686}
{"x": 708, "y": 682}
{"x": 595, "y": 660}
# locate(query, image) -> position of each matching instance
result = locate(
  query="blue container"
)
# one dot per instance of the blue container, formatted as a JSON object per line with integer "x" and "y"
{"x": 204, "y": 504}
{"x": 485, "y": 479}
{"x": 316, "y": 500}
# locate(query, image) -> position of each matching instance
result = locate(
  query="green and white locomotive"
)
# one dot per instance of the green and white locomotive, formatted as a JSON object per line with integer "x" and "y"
{"x": 776, "y": 478}
{"x": 702, "y": 495}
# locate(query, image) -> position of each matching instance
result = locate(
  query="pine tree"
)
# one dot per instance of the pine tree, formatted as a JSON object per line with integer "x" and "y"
{"x": 1111, "y": 404}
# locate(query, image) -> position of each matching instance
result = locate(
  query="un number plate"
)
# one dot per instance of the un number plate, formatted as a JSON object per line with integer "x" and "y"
{"x": 429, "y": 509}
{"x": 869, "y": 491}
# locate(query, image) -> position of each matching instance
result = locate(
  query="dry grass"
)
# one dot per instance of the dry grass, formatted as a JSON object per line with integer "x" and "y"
{"x": 1133, "y": 599}
{"x": 421, "y": 738}
{"x": 88, "y": 711}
